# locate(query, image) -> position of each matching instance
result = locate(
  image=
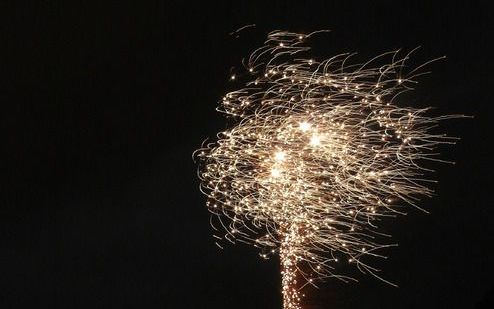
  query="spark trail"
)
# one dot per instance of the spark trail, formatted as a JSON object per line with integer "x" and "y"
{"x": 318, "y": 153}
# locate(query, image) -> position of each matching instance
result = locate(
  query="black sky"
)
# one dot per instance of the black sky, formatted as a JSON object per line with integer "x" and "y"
{"x": 102, "y": 106}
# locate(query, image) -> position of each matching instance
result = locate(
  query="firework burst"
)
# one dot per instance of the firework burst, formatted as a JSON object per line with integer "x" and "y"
{"x": 319, "y": 152}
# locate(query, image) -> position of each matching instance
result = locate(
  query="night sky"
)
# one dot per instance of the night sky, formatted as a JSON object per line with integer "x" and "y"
{"x": 103, "y": 105}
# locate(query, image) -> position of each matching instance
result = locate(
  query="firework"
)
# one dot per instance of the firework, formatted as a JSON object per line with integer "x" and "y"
{"x": 319, "y": 151}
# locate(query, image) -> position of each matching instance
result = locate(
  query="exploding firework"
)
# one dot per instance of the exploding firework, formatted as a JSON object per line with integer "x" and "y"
{"x": 319, "y": 151}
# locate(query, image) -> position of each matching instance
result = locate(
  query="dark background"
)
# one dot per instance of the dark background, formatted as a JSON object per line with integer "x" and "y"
{"x": 102, "y": 106}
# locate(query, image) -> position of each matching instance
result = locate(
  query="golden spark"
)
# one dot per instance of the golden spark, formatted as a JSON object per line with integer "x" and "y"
{"x": 318, "y": 153}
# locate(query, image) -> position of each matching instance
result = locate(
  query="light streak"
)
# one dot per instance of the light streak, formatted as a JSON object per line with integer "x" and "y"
{"x": 319, "y": 152}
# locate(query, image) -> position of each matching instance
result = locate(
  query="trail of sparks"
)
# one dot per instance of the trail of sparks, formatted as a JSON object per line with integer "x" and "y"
{"x": 319, "y": 152}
